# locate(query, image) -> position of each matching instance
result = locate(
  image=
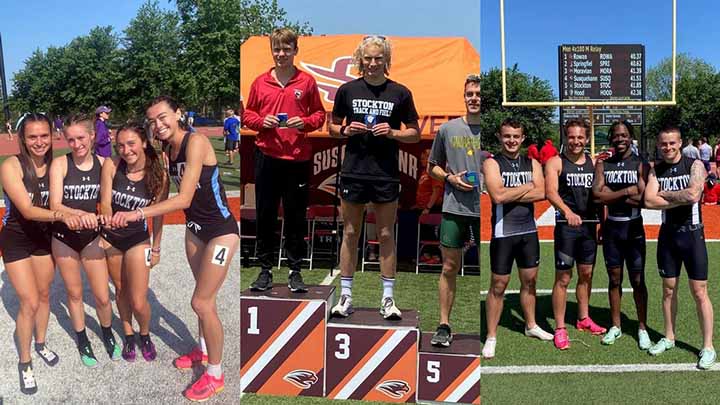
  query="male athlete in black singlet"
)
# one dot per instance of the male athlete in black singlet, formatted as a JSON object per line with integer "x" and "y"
{"x": 619, "y": 184}
{"x": 675, "y": 186}
{"x": 514, "y": 183}
{"x": 568, "y": 186}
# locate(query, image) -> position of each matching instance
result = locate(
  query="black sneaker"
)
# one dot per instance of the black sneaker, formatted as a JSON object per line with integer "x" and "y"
{"x": 49, "y": 357}
{"x": 442, "y": 336}
{"x": 87, "y": 356}
{"x": 263, "y": 282}
{"x": 28, "y": 386}
{"x": 112, "y": 348}
{"x": 295, "y": 282}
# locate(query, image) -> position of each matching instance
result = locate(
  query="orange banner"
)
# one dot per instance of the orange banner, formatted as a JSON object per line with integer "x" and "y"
{"x": 434, "y": 69}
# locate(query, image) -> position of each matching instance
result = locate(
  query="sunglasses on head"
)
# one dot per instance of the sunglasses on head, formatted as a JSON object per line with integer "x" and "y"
{"x": 374, "y": 36}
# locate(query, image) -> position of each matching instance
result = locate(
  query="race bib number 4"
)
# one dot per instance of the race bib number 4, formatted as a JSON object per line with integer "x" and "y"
{"x": 220, "y": 254}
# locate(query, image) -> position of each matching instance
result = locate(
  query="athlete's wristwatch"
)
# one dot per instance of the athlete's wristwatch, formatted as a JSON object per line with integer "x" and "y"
{"x": 447, "y": 176}
{"x": 342, "y": 130}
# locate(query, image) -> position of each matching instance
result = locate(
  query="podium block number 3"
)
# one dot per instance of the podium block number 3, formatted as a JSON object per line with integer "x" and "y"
{"x": 433, "y": 369}
{"x": 253, "y": 329}
{"x": 343, "y": 352}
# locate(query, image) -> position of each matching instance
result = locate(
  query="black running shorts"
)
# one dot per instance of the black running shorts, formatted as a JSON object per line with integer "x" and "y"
{"x": 19, "y": 245}
{"x": 522, "y": 249}
{"x": 624, "y": 242}
{"x": 574, "y": 244}
{"x": 684, "y": 245}
{"x": 365, "y": 191}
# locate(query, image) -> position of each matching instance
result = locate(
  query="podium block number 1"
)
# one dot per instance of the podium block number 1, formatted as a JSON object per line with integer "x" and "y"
{"x": 253, "y": 328}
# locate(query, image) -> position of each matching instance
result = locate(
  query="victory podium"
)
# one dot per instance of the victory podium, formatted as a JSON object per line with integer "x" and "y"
{"x": 449, "y": 374}
{"x": 370, "y": 358}
{"x": 282, "y": 340}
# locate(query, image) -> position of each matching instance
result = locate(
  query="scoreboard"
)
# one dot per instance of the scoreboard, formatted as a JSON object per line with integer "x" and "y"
{"x": 602, "y": 73}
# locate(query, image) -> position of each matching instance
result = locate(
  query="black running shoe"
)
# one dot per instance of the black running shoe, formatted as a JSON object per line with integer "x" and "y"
{"x": 295, "y": 282}
{"x": 28, "y": 385}
{"x": 442, "y": 336}
{"x": 264, "y": 282}
{"x": 87, "y": 356}
{"x": 112, "y": 348}
{"x": 49, "y": 357}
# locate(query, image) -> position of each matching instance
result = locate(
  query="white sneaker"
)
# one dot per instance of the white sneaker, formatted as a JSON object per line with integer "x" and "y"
{"x": 488, "y": 351}
{"x": 344, "y": 307}
{"x": 537, "y": 332}
{"x": 388, "y": 310}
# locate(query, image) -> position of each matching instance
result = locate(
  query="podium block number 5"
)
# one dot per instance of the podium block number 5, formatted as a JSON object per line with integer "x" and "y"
{"x": 343, "y": 352}
{"x": 253, "y": 329}
{"x": 433, "y": 369}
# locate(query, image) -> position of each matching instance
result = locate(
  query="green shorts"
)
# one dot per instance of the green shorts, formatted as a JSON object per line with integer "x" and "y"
{"x": 456, "y": 230}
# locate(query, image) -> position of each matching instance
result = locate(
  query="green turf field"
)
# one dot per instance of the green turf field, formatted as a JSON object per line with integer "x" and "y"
{"x": 514, "y": 349}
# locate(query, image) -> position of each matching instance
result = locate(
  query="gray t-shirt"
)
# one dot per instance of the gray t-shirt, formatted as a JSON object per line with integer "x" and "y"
{"x": 456, "y": 148}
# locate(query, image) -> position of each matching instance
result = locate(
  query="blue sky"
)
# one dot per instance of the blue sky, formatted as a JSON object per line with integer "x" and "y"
{"x": 390, "y": 17}
{"x": 45, "y": 23}
{"x": 55, "y": 23}
{"x": 534, "y": 29}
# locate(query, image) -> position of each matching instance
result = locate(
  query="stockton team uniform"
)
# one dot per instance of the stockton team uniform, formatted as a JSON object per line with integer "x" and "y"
{"x": 623, "y": 231}
{"x": 128, "y": 195}
{"x": 81, "y": 190}
{"x": 370, "y": 170}
{"x": 514, "y": 232}
{"x": 208, "y": 215}
{"x": 21, "y": 238}
{"x": 681, "y": 239}
{"x": 576, "y": 244}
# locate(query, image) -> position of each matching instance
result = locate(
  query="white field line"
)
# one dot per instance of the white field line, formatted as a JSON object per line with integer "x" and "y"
{"x": 330, "y": 278}
{"x": 570, "y": 291}
{"x": 592, "y": 368}
{"x": 487, "y": 242}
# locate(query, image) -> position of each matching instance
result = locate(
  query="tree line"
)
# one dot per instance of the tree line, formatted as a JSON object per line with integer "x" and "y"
{"x": 191, "y": 52}
{"x": 697, "y": 112}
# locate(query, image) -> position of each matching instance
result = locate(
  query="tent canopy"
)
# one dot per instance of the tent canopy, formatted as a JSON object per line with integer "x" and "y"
{"x": 433, "y": 68}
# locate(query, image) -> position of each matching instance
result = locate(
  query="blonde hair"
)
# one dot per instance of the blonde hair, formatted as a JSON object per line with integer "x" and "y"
{"x": 373, "y": 40}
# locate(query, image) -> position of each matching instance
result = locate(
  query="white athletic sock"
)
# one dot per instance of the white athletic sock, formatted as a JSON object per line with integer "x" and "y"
{"x": 388, "y": 285}
{"x": 203, "y": 346}
{"x": 214, "y": 370}
{"x": 346, "y": 286}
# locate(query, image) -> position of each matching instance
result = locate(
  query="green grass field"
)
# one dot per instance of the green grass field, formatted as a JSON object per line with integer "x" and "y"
{"x": 514, "y": 349}
{"x": 230, "y": 174}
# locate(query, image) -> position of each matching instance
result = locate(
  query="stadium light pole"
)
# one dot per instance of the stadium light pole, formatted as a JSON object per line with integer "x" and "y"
{"x": 3, "y": 93}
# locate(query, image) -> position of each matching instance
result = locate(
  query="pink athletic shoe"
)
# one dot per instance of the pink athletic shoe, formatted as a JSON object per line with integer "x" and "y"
{"x": 590, "y": 326}
{"x": 561, "y": 339}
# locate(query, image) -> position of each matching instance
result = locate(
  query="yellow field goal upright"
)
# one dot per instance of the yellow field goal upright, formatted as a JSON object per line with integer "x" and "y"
{"x": 590, "y": 104}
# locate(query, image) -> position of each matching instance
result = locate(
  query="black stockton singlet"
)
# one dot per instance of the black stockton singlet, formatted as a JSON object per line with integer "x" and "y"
{"x": 513, "y": 218}
{"x": 209, "y": 204}
{"x": 128, "y": 195}
{"x": 676, "y": 177}
{"x": 621, "y": 173}
{"x": 81, "y": 189}
{"x": 575, "y": 187}
{"x": 14, "y": 220}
